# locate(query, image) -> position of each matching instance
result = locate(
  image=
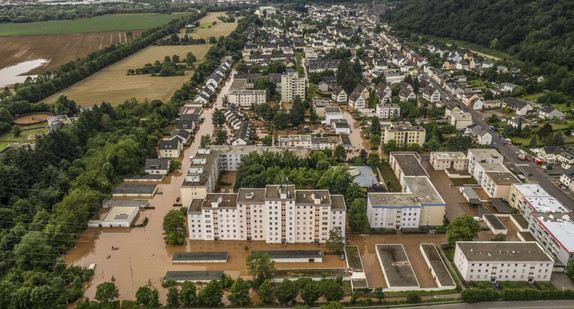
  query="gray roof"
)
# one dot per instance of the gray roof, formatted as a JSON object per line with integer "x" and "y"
{"x": 256, "y": 195}
{"x": 168, "y": 144}
{"x": 365, "y": 178}
{"x": 193, "y": 275}
{"x": 410, "y": 165}
{"x": 495, "y": 222}
{"x": 437, "y": 265}
{"x": 499, "y": 205}
{"x": 140, "y": 203}
{"x": 397, "y": 267}
{"x": 199, "y": 256}
{"x": 500, "y": 251}
{"x": 134, "y": 189}
{"x": 157, "y": 164}
{"x": 293, "y": 254}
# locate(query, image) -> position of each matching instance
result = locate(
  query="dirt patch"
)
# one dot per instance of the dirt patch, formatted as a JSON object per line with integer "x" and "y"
{"x": 57, "y": 49}
{"x": 220, "y": 28}
{"x": 32, "y": 119}
{"x": 113, "y": 85}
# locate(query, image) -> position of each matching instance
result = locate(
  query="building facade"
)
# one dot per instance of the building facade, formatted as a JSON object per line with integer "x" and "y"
{"x": 274, "y": 214}
{"x": 291, "y": 87}
{"x": 404, "y": 133}
{"x": 246, "y": 98}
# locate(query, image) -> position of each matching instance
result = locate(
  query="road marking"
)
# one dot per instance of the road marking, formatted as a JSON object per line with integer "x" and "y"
{"x": 522, "y": 164}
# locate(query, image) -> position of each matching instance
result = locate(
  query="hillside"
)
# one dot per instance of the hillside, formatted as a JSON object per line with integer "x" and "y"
{"x": 535, "y": 31}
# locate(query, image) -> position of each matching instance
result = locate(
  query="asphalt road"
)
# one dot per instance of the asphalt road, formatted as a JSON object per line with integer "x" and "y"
{"x": 510, "y": 153}
{"x": 539, "y": 304}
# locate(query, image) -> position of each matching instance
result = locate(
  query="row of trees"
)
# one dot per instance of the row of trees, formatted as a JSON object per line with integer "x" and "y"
{"x": 171, "y": 66}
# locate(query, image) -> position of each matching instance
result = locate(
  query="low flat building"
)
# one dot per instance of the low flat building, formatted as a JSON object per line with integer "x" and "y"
{"x": 199, "y": 257}
{"x": 460, "y": 120}
{"x": 449, "y": 160}
{"x": 332, "y": 113}
{"x": 117, "y": 216}
{"x": 396, "y": 267}
{"x": 364, "y": 176}
{"x": 341, "y": 126}
{"x": 493, "y": 261}
{"x": 133, "y": 190}
{"x": 193, "y": 276}
{"x": 438, "y": 269}
{"x": 325, "y": 142}
{"x": 294, "y": 256}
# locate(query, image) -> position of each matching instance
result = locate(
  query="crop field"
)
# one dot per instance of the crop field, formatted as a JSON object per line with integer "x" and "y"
{"x": 56, "y": 49}
{"x": 220, "y": 28}
{"x": 105, "y": 23}
{"x": 113, "y": 85}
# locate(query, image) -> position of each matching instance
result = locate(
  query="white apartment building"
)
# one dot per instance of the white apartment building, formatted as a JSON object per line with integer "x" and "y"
{"x": 548, "y": 221}
{"x": 460, "y": 120}
{"x": 495, "y": 179}
{"x": 404, "y": 133}
{"x": 230, "y": 156}
{"x": 449, "y": 160}
{"x": 387, "y": 111}
{"x": 275, "y": 214}
{"x": 494, "y": 261}
{"x": 476, "y": 156}
{"x": 291, "y": 87}
{"x": 201, "y": 178}
{"x": 246, "y": 98}
{"x": 332, "y": 113}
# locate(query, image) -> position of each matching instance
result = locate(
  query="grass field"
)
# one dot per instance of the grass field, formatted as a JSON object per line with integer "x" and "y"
{"x": 9, "y": 138}
{"x": 113, "y": 85}
{"x": 220, "y": 28}
{"x": 105, "y": 23}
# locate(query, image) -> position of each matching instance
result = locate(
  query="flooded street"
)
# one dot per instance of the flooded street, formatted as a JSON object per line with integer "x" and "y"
{"x": 143, "y": 254}
{"x": 16, "y": 73}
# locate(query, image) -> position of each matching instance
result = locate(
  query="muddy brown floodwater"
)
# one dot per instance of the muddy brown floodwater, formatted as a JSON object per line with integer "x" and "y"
{"x": 144, "y": 257}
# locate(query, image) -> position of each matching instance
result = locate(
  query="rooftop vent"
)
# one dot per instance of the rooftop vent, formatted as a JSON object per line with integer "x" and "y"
{"x": 249, "y": 195}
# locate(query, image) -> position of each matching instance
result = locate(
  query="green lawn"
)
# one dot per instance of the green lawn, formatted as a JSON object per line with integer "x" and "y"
{"x": 103, "y": 23}
{"x": 9, "y": 138}
{"x": 390, "y": 179}
{"x": 463, "y": 181}
{"x": 205, "y": 25}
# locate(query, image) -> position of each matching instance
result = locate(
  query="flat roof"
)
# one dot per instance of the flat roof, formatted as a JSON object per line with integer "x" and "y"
{"x": 502, "y": 178}
{"x": 545, "y": 204}
{"x": 338, "y": 202}
{"x": 410, "y": 165}
{"x": 397, "y": 268}
{"x": 502, "y": 251}
{"x": 247, "y": 149}
{"x": 437, "y": 264}
{"x": 210, "y": 159}
{"x": 144, "y": 177}
{"x": 135, "y": 189}
{"x": 365, "y": 177}
{"x": 307, "y": 197}
{"x": 561, "y": 227}
{"x": 272, "y": 191}
{"x": 191, "y": 275}
{"x": 422, "y": 193}
{"x": 449, "y": 155}
{"x": 530, "y": 189}
{"x": 139, "y": 203}
{"x": 120, "y": 213}
{"x": 495, "y": 222}
{"x": 294, "y": 138}
{"x": 499, "y": 205}
{"x": 293, "y": 254}
{"x": 251, "y": 195}
{"x": 199, "y": 256}
{"x": 488, "y": 153}
{"x": 518, "y": 218}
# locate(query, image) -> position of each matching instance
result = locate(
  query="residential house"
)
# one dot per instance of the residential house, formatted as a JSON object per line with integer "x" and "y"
{"x": 407, "y": 94}
{"x": 356, "y": 100}
{"x": 549, "y": 112}
{"x": 170, "y": 148}
{"x": 157, "y": 166}
{"x": 431, "y": 94}
{"x": 518, "y": 107}
{"x": 339, "y": 95}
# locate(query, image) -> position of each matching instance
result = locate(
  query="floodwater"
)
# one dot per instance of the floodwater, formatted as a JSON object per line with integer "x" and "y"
{"x": 143, "y": 255}
{"x": 16, "y": 73}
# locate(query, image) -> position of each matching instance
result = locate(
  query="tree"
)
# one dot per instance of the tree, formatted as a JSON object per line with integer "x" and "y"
{"x": 310, "y": 293}
{"x": 373, "y": 160}
{"x": 375, "y": 141}
{"x": 558, "y": 139}
{"x": 64, "y": 106}
{"x": 32, "y": 251}
{"x": 353, "y": 192}
{"x": 260, "y": 266}
{"x": 375, "y": 126}
{"x": 265, "y": 292}
{"x": 332, "y": 290}
{"x": 549, "y": 139}
{"x": 336, "y": 241}
{"x": 378, "y": 293}
{"x": 390, "y": 146}
{"x": 173, "y": 297}
{"x": 187, "y": 295}
{"x": 281, "y": 120}
{"x": 340, "y": 154}
{"x": 106, "y": 292}
{"x": 333, "y": 305}
{"x": 545, "y": 131}
{"x": 147, "y": 296}
{"x": 174, "y": 227}
{"x": 413, "y": 298}
{"x": 211, "y": 294}
{"x": 358, "y": 219}
{"x": 533, "y": 143}
{"x": 16, "y": 131}
{"x": 218, "y": 117}
{"x": 571, "y": 271}
{"x": 463, "y": 228}
{"x": 221, "y": 137}
{"x": 286, "y": 291}
{"x": 267, "y": 140}
{"x": 205, "y": 141}
{"x": 240, "y": 293}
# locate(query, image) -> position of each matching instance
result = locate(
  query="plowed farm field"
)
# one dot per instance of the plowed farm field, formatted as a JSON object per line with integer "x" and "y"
{"x": 220, "y": 28}
{"x": 56, "y": 49}
{"x": 114, "y": 86}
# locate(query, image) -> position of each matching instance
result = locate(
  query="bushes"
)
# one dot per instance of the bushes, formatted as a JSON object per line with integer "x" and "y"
{"x": 474, "y": 295}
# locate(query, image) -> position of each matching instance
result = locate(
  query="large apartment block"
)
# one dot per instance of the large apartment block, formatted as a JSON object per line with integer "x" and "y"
{"x": 494, "y": 261}
{"x": 476, "y": 156}
{"x": 291, "y": 87}
{"x": 404, "y": 133}
{"x": 418, "y": 204}
{"x": 246, "y": 98}
{"x": 275, "y": 214}
{"x": 449, "y": 160}
{"x": 548, "y": 221}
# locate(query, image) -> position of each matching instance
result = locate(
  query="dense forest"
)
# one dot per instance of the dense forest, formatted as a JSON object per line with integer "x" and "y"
{"x": 537, "y": 31}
